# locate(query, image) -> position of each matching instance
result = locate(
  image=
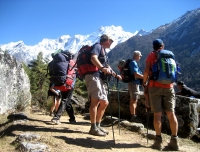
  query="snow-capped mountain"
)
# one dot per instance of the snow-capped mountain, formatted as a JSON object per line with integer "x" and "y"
{"x": 24, "y": 53}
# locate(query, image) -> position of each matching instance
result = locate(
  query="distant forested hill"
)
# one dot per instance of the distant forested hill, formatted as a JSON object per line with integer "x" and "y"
{"x": 182, "y": 36}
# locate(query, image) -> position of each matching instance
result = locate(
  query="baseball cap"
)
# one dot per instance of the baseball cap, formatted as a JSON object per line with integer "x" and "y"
{"x": 105, "y": 37}
{"x": 158, "y": 42}
{"x": 137, "y": 53}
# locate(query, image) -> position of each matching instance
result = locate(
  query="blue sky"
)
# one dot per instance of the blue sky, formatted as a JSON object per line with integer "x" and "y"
{"x": 33, "y": 20}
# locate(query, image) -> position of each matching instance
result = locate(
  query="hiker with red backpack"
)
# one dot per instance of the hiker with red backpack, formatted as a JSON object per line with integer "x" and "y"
{"x": 63, "y": 76}
{"x": 95, "y": 78}
{"x": 65, "y": 105}
{"x": 160, "y": 72}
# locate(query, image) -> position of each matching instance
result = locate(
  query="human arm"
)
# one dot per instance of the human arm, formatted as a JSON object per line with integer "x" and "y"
{"x": 146, "y": 73}
{"x": 56, "y": 92}
{"x": 97, "y": 63}
{"x": 138, "y": 75}
{"x": 106, "y": 70}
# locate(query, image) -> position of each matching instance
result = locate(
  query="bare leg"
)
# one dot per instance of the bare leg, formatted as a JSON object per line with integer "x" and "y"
{"x": 101, "y": 109}
{"x": 133, "y": 105}
{"x": 57, "y": 103}
{"x": 93, "y": 109}
{"x": 157, "y": 122}
{"x": 173, "y": 122}
{"x": 53, "y": 105}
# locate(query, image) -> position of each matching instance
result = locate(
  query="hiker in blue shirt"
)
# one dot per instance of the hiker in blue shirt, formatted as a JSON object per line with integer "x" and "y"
{"x": 133, "y": 86}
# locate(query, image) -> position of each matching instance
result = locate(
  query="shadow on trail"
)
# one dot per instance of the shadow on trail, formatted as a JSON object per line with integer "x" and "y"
{"x": 22, "y": 124}
{"x": 97, "y": 144}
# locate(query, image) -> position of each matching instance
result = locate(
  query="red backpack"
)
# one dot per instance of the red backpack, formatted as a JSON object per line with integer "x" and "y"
{"x": 84, "y": 64}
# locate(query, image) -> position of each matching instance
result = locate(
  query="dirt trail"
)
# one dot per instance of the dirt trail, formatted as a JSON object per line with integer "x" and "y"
{"x": 75, "y": 138}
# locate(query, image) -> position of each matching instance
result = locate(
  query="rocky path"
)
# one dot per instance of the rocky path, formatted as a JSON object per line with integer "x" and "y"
{"x": 75, "y": 138}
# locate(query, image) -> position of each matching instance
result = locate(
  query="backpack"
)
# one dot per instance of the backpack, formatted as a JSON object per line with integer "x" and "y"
{"x": 83, "y": 61}
{"x": 70, "y": 78}
{"x": 123, "y": 67}
{"x": 164, "y": 69}
{"x": 57, "y": 69}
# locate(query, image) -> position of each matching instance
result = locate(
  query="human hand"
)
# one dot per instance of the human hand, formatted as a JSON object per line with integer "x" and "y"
{"x": 118, "y": 77}
{"x": 106, "y": 70}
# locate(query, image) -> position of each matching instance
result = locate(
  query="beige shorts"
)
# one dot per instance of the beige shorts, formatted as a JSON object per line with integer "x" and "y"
{"x": 134, "y": 91}
{"x": 95, "y": 87}
{"x": 162, "y": 99}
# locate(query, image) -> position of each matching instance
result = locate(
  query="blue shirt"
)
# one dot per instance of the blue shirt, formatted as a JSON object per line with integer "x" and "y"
{"x": 133, "y": 66}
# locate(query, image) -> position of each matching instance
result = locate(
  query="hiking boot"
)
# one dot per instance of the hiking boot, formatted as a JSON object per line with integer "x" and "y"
{"x": 157, "y": 144}
{"x": 103, "y": 130}
{"x": 173, "y": 144}
{"x": 96, "y": 132}
{"x": 56, "y": 120}
{"x": 72, "y": 121}
{"x": 136, "y": 119}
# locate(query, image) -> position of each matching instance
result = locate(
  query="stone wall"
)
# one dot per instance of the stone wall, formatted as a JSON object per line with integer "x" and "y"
{"x": 186, "y": 112}
{"x": 14, "y": 85}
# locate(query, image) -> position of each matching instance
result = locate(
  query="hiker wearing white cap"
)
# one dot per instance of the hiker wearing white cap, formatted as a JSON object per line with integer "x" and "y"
{"x": 133, "y": 86}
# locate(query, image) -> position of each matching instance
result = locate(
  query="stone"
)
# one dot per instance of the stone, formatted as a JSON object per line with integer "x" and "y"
{"x": 14, "y": 85}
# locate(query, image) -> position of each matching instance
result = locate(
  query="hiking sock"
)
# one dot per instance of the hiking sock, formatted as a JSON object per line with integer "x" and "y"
{"x": 159, "y": 136}
{"x": 174, "y": 136}
{"x": 98, "y": 124}
{"x": 134, "y": 115}
{"x": 93, "y": 126}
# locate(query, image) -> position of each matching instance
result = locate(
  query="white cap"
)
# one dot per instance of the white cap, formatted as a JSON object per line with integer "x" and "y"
{"x": 137, "y": 53}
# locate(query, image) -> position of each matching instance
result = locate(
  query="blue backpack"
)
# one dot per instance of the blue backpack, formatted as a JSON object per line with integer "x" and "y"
{"x": 164, "y": 69}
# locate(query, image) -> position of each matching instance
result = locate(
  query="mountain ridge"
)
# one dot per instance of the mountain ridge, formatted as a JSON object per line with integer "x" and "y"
{"x": 24, "y": 53}
{"x": 180, "y": 36}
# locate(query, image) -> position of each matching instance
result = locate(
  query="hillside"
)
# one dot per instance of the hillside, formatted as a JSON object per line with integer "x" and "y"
{"x": 180, "y": 36}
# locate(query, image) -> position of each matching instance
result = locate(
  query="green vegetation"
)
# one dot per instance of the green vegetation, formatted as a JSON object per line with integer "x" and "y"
{"x": 39, "y": 82}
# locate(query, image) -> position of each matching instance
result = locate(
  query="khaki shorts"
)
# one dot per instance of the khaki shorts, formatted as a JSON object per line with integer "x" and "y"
{"x": 95, "y": 87}
{"x": 134, "y": 91}
{"x": 162, "y": 99}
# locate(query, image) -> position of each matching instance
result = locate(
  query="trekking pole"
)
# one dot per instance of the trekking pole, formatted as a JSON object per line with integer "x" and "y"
{"x": 118, "y": 105}
{"x": 148, "y": 113}
{"x": 110, "y": 109}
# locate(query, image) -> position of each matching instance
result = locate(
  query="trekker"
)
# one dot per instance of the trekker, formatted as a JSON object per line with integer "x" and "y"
{"x": 65, "y": 105}
{"x": 162, "y": 97}
{"x": 56, "y": 99}
{"x": 133, "y": 86}
{"x": 96, "y": 89}
{"x": 186, "y": 91}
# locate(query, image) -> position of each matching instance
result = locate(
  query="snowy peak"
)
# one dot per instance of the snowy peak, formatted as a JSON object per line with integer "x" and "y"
{"x": 142, "y": 32}
{"x": 25, "y": 53}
